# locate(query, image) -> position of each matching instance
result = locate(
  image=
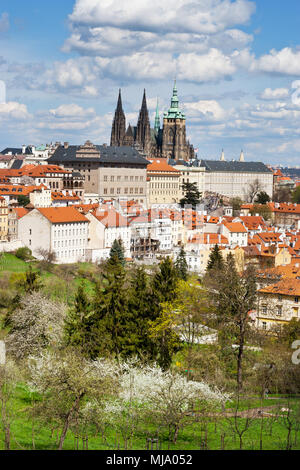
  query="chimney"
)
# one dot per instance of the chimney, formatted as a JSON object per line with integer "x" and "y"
{"x": 222, "y": 156}
{"x": 66, "y": 145}
{"x": 242, "y": 158}
{"x": 23, "y": 149}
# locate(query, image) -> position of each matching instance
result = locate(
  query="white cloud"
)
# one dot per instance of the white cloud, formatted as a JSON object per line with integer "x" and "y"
{"x": 72, "y": 75}
{"x": 71, "y": 110}
{"x": 205, "y": 67}
{"x": 13, "y": 110}
{"x": 285, "y": 62}
{"x": 205, "y": 110}
{"x": 275, "y": 94}
{"x": 196, "y": 16}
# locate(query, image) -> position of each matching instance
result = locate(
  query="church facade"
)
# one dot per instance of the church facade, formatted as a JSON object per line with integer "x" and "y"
{"x": 167, "y": 142}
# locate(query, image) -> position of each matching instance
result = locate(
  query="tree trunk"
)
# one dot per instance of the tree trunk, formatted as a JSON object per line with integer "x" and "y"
{"x": 67, "y": 421}
{"x": 240, "y": 356}
{"x": 7, "y": 438}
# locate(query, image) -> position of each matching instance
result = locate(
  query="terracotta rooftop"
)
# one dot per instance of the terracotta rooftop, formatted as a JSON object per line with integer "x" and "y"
{"x": 290, "y": 287}
{"x": 57, "y": 215}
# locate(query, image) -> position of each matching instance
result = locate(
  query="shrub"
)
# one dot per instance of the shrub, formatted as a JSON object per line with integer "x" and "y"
{"x": 23, "y": 253}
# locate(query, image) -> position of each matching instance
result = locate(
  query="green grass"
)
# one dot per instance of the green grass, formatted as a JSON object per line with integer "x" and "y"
{"x": 10, "y": 263}
{"x": 190, "y": 438}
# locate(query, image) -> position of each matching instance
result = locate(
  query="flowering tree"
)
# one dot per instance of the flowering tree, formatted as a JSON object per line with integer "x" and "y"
{"x": 65, "y": 381}
{"x": 164, "y": 397}
{"x": 36, "y": 324}
{"x": 9, "y": 375}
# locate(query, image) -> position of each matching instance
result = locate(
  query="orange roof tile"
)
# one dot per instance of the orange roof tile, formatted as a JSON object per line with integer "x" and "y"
{"x": 58, "y": 215}
{"x": 290, "y": 287}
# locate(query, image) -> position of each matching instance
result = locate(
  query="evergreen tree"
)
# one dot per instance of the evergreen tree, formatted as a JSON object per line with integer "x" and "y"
{"x": 140, "y": 311}
{"x": 163, "y": 288}
{"x": 192, "y": 195}
{"x": 111, "y": 307}
{"x": 181, "y": 265}
{"x": 79, "y": 326}
{"x": 165, "y": 282}
{"x": 262, "y": 198}
{"x": 215, "y": 260}
{"x": 117, "y": 251}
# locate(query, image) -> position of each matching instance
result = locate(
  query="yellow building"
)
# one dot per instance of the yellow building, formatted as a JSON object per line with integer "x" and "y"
{"x": 163, "y": 182}
{"x": 3, "y": 219}
{"x": 278, "y": 303}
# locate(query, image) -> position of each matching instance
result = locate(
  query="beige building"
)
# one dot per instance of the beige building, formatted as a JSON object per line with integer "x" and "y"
{"x": 110, "y": 172}
{"x": 163, "y": 182}
{"x": 278, "y": 304}
{"x": 3, "y": 219}
{"x": 194, "y": 175}
{"x": 233, "y": 179}
{"x": 14, "y": 215}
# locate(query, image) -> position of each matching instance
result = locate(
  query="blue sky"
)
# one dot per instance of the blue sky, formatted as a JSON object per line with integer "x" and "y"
{"x": 236, "y": 63}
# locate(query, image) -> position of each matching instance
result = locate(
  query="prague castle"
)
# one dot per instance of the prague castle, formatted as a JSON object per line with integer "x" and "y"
{"x": 167, "y": 142}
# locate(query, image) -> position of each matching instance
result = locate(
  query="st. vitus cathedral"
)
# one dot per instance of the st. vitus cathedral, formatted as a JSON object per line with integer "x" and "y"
{"x": 169, "y": 142}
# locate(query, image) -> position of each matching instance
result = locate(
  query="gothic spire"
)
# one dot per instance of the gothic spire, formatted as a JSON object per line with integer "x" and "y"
{"x": 119, "y": 125}
{"x": 143, "y": 134}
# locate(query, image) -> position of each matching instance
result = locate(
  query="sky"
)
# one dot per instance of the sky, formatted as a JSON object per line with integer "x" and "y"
{"x": 236, "y": 62}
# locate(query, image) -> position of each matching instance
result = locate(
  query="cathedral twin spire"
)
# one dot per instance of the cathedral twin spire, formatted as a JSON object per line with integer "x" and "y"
{"x": 119, "y": 135}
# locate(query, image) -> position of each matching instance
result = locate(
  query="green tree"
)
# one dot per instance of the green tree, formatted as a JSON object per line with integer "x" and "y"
{"x": 164, "y": 282}
{"x": 79, "y": 329}
{"x": 181, "y": 265}
{"x": 236, "y": 203}
{"x": 117, "y": 250}
{"x": 111, "y": 307}
{"x": 261, "y": 209}
{"x": 262, "y": 198}
{"x": 192, "y": 195}
{"x": 296, "y": 195}
{"x": 233, "y": 296}
{"x": 163, "y": 287}
{"x": 23, "y": 200}
{"x": 215, "y": 260}
{"x": 139, "y": 313}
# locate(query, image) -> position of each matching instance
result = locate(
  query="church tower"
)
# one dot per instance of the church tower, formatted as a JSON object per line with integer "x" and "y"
{"x": 174, "y": 144}
{"x": 143, "y": 133}
{"x": 119, "y": 125}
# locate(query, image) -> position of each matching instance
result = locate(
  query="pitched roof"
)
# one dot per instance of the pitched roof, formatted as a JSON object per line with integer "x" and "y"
{"x": 235, "y": 166}
{"x": 235, "y": 227}
{"x": 107, "y": 155}
{"x": 110, "y": 217}
{"x": 285, "y": 287}
{"x": 57, "y": 215}
{"x": 160, "y": 165}
{"x": 20, "y": 211}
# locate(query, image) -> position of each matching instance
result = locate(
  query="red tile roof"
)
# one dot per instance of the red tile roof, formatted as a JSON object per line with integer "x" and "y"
{"x": 57, "y": 215}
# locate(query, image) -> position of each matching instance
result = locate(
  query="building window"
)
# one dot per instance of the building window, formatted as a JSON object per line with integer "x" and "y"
{"x": 279, "y": 310}
{"x": 264, "y": 325}
{"x": 296, "y": 299}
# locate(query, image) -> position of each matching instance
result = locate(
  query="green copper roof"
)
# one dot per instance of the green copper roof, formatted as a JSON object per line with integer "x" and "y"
{"x": 174, "y": 111}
